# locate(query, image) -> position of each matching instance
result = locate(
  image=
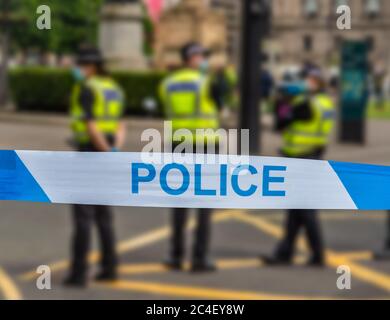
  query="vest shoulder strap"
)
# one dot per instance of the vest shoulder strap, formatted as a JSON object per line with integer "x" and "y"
{"x": 323, "y": 101}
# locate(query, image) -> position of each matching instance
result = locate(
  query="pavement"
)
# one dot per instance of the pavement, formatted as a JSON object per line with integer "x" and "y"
{"x": 39, "y": 234}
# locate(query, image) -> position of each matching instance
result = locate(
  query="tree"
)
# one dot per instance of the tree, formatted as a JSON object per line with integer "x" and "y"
{"x": 73, "y": 22}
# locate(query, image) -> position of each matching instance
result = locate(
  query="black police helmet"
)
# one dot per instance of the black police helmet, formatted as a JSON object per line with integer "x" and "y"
{"x": 89, "y": 55}
{"x": 191, "y": 49}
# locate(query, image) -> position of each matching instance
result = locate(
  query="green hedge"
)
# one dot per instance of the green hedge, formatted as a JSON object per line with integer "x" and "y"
{"x": 137, "y": 87}
{"x": 48, "y": 89}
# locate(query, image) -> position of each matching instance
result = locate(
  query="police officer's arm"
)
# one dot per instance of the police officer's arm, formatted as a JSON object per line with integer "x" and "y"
{"x": 218, "y": 89}
{"x": 98, "y": 140}
{"x": 299, "y": 112}
{"x": 120, "y": 135}
{"x": 303, "y": 111}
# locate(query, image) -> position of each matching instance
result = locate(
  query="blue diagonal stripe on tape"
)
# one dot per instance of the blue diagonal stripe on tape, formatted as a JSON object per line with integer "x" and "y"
{"x": 368, "y": 185}
{"x": 16, "y": 181}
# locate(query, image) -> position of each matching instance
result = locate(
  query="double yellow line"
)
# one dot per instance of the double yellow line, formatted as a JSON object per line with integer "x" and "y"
{"x": 139, "y": 242}
{"x": 363, "y": 273}
{"x": 334, "y": 259}
{"x": 201, "y": 292}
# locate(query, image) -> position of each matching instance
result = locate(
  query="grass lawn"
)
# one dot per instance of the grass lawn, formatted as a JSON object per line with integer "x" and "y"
{"x": 374, "y": 112}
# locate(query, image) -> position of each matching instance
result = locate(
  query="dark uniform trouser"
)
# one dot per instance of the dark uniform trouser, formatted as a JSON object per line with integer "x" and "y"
{"x": 387, "y": 244}
{"x": 202, "y": 233}
{"x": 202, "y": 236}
{"x": 84, "y": 216}
{"x": 307, "y": 219}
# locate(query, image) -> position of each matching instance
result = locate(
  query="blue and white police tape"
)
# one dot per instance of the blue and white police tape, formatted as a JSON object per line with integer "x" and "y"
{"x": 124, "y": 179}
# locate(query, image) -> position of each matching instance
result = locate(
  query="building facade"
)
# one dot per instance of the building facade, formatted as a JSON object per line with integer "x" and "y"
{"x": 232, "y": 10}
{"x": 307, "y": 29}
{"x": 187, "y": 21}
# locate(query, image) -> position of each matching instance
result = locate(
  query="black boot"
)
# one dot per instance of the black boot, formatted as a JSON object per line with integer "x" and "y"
{"x": 200, "y": 266}
{"x": 76, "y": 281}
{"x": 174, "y": 264}
{"x": 107, "y": 275}
{"x": 275, "y": 261}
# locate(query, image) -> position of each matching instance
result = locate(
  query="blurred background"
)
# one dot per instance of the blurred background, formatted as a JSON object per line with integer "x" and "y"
{"x": 141, "y": 43}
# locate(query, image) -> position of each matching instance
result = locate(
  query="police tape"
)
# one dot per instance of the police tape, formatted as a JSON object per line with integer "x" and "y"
{"x": 126, "y": 179}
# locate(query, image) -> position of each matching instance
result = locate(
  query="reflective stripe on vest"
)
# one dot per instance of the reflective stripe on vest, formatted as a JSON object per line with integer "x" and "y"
{"x": 107, "y": 108}
{"x": 187, "y": 103}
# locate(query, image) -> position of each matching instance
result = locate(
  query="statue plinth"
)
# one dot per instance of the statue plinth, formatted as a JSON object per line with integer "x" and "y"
{"x": 190, "y": 20}
{"x": 121, "y": 35}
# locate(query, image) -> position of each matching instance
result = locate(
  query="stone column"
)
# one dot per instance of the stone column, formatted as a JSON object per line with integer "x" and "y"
{"x": 121, "y": 34}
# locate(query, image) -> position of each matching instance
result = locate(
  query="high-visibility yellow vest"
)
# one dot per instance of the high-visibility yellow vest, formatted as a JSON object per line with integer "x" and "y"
{"x": 107, "y": 108}
{"x": 304, "y": 137}
{"x": 188, "y": 103}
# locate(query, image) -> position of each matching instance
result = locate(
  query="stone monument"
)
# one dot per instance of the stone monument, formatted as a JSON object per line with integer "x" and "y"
{"x": 121, "y": 34}
{"x": 190, "y": 20}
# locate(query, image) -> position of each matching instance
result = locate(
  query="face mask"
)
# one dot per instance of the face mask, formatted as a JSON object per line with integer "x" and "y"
{"x": 77, "y": 74}
{"x": 303, "y": 87}
{"x": 204, "y": 66}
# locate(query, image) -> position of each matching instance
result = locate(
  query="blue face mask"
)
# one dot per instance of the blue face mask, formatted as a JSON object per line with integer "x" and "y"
{"x": 77, "y": 74}
{"x": 294, "y": 88}
{"x": 204, "y": 66}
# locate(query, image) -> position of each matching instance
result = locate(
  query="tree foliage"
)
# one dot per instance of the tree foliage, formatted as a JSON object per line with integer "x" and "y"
{"x": 73, "y": 22}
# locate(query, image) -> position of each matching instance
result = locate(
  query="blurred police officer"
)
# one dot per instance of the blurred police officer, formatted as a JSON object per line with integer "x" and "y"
{"x": 190, "y": 103}
{"x": 306, "y": 130}
{"x": 96, "y": 111}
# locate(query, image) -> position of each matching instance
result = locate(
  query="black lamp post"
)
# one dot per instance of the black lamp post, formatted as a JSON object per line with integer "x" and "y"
{"x": 255, "y": 27}
{"x": 5, "y": 39}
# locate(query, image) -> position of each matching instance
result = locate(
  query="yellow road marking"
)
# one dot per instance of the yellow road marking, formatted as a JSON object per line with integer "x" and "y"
{"x": 8, "y": 287}
{"x": 159, "y": 234}
{"x": 136, "y": 269}
{"x": 225, "y": 264}
{"x": 357, "y": 256}
{"x": 200, "y": 292}
{"x": 128, "y": 245}
{"x": 363, "y": 273}
{"x": 238, "y": 264}
{"x": 334, "y": 259}
{"x": 138, "y": 242}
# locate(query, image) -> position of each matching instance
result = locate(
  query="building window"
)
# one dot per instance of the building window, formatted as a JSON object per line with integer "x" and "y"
{"x": 311, "y": 8}
{"x": 338, "y": 3}
{"x": 372, "y": 7}
{"x": 307, "y": 43}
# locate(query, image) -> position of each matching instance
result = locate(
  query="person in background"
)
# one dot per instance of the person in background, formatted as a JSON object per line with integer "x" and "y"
{"x": 97, "y": 105}
{"x": 220, "y": 87}
{"x": 306, "y": 130}
{"x": 190, "y": 102}
{"x": 283, "y": 103}
{"x": 266, "y": 83}
{"x": 225, "y": 89}
{"x": 379, "y": 78}
{"x": 233, "y": 86}
{"x": 266, "y": 88}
